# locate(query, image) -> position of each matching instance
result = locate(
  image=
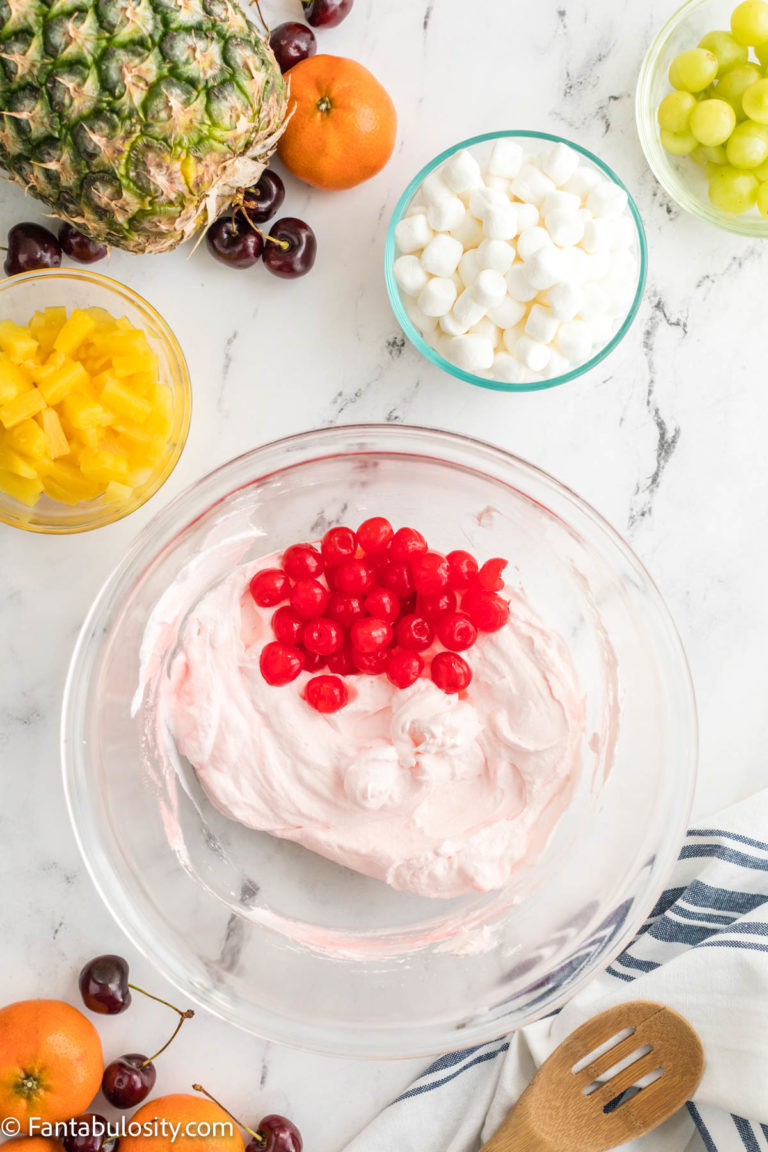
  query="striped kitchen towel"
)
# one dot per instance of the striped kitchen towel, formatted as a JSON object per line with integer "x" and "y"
{"x": 703, "y": 951}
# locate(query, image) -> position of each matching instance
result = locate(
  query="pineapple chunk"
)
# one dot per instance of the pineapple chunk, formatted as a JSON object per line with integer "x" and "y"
{"x": 117, "y": 493}
{"x": 124, "y": 402}
{"x": 62, "y": 378}
{"x": 27, "y": 404}
{"x": 27, "y": 491}
{"x": 102, "y": 318}
{"x": 12, "y": 461}
{"x": 16, "y": 342}
{"x": 29, "y": 438}
{"x": 74, "y": 331}
{"x": 82, "y": 411}
{"x": 56, "y": 441}
{"x": 12, "y": 379}
{"x": 69, "y": 478}
{"x": 45, "y": 326}
{"x": 104, "y": 465}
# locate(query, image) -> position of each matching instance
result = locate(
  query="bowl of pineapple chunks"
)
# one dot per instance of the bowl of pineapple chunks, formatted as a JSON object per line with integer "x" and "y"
{"x": 94, "y": 401}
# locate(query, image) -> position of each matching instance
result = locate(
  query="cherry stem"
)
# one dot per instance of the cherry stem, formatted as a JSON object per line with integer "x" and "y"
{"x": 239, "y": 202}
{"x": 250, "y": 1131}
{"x": 187, "y": 1014}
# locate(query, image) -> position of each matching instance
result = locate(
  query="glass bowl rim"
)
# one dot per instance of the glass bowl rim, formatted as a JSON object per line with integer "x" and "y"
{"x": 754, "y": 227}
{"x": 416, "y": 338}
{"x": 203, "y": 495}
{"x": 114, "y": 287}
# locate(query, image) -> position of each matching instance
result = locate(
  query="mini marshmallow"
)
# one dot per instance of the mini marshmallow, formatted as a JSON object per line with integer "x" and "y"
{"x": 508, "y": 369}
{"x": 574, "y": 341}
{"x": 446, "y": 214}
{"x": 467, "y": 311}
{"x": 542, "y": 324}
{"x": 558, "y": 365}
{"x": 500, "y": 183}
{"x": 482, "y": 198}
{"x": 469, "y": 266}
{"x": 598, "y": 264}
{"x": 489, "y": 289}
{"x": 434, "y": 189}
{"x": 506, "y": 158}
{"x": 415, "y": 208}
{"x": 582, "y": 181}
{"x": 564, "y": 300}
{"x": 469, "y": 233}
{"x": 564, "y": 227}
{"x": 594, "y": 302}
{"x": 409, "y": 274}
{"x": 598, "y": 236}
{"x": 527, "y": 216}
{"x": 487, "y": 329}
{"x": 412, "y": 233}
{"x": 425, "y": 324}
{"x": 500, "y": 221}
{"x": 546, "y": 267}
{"x": 531, "y": 185}
{"x": 496, "y": 254}
{"x": 607, "y": 200}
{"x": 560, "y": 163}
{"x": 450, "y": 325}
{"x": 472, "y": 353}
{"x": 441, "y": 256}
{"x": 532, "y": 240}
{"x": 462, "y": 172}
{"x": 577, "y": 266}
{"x": 558, "y": 200}
{"x": 437, "y": 296}
{"x": 507, "y": 314}
{"x": 519, "y": 285}
{"x": 511, "y": 336}
{"x": 532, "y": 354}
{"x": 622, "y": 233}
{"x": 602, "y": 328}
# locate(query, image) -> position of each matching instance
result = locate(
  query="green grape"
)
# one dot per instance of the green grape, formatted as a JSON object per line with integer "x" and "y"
{"x": 728, "y": 50}
{"x": 762, "y": 171}
{"x": 749, "y": 22}
{"x": 678, "y": 143}
{"x": 762, "y": 199}
{"x": 755, "y": 101}
{"x": 731, "y": 190}
{"x": 748, "y": 146}
{"x": 761, "y": 51}
{"x": 674, "y": 112}
{"x": 734, "y": 84}
{"x": 706, "y": 155}
{"x": 712, "y": 121}
{"x": 693, "y": 70}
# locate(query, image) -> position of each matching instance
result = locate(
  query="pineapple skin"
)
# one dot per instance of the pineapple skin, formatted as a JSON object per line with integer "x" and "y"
{"x": 136, "y": 120}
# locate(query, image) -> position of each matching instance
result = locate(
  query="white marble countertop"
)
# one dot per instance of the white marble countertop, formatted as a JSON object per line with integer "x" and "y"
{"x": 666, "y": 439}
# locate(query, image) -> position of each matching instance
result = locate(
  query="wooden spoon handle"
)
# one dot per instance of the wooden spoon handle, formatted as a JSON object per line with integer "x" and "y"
{"x": 515, "y": 1134}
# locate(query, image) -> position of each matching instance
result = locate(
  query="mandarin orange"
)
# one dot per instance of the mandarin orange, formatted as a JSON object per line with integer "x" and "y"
{"x": 343, "y": 124}
{"x": 183, "y": 1110}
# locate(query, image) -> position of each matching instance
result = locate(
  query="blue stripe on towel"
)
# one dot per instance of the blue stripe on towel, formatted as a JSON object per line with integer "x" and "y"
{"x": 729, "y": 836}
{"x": 716, "y": 919}
{"x": 722, "y": 899}
{"x": 419, "y": 1089}
{"x": 632, "y": 962}
{"x": 730, "y": 855}
{"x": 743, "y": 944}
{"x": 707, "y": 1140}
{"x": 449, "y": 1060}
{"x": 744, "y": 1129}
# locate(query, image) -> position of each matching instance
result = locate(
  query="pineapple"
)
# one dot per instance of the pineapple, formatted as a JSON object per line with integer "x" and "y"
{"x": 136, "y": 120}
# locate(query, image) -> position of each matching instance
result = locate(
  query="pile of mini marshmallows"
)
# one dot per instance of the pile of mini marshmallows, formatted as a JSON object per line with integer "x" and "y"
{"x": 520, "y": 271}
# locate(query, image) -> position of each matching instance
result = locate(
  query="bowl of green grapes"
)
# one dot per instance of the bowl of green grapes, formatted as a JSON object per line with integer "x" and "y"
{"x": 702, "y": 112}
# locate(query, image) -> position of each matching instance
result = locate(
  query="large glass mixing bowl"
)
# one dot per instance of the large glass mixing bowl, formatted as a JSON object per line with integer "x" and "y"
{"x": 291, "y": 946}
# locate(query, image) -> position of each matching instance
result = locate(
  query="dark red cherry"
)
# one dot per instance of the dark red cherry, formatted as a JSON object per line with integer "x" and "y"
{"x": 264, "y": 198}
{"x": 292, "y": 42}
{"x": 291, "y": 248}
{"x": 80, "y": 247}
{"x": 30, "y": 246}
{"x": 232, "y": 241}
{"x": 88, "y": 1132}
{"x": 326, "y": 13}
{"x": 104, "y": 985}
{"x": 128, "y": 1080}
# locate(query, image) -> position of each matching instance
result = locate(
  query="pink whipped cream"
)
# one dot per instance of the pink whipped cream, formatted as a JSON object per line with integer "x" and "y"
{"x": 437, "y": 795}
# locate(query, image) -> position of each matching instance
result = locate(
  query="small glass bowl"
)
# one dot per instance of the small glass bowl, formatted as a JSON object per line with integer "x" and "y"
{"x": 478, "y": 144}
{"x": 682, "y": 179}
{"x": 22, "y": 295}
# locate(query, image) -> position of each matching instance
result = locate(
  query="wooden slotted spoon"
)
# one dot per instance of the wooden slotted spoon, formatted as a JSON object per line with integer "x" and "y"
{"x": 576, "y": 1106}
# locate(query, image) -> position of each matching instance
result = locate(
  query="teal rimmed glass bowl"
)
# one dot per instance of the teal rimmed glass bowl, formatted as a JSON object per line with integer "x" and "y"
{"x": 682, "y": 179}
{"x": 477, "y": 144}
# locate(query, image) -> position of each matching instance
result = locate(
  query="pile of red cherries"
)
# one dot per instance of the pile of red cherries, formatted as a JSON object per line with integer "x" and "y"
{"x": 373, "y": 602}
